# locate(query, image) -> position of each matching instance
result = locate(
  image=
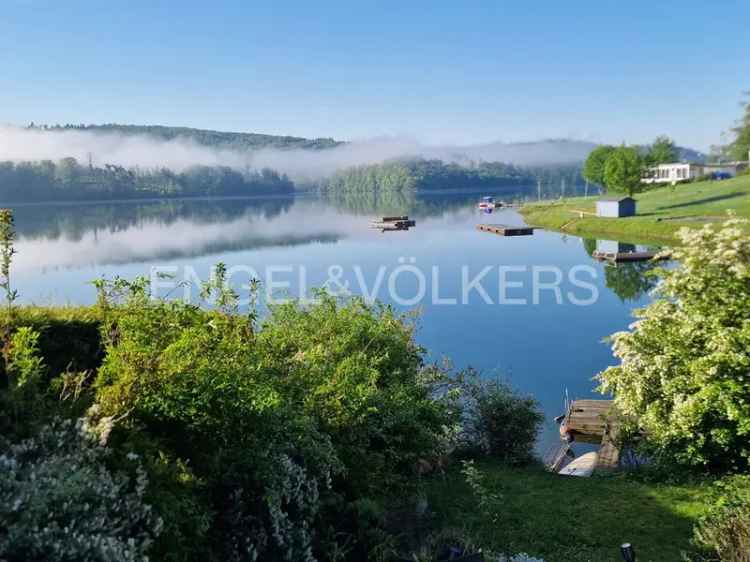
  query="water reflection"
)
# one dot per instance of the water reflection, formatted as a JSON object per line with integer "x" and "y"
{"x": 629, "y": 280}
{"x": 542, "y": 347}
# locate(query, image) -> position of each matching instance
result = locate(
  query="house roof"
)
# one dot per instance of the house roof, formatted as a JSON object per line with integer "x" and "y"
{"x": 616, "y": 199}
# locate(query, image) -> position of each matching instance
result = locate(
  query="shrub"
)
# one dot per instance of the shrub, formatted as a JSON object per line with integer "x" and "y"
{"x": 683, "y": 366}
{"x": 723, "y": 534}
{"x": 69, "y": 337}
{"x": 60, "y": 502}
{"x": 320, "y": 406}
{"x": 500, "y": 422}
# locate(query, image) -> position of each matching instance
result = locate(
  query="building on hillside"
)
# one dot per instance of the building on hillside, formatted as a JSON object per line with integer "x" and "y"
{"x": 613, "y": 207}
{"x": 674, "y": 172}
{"x": 683, "y": 171}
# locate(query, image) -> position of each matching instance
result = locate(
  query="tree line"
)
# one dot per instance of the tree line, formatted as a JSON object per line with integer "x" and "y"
{"x": 621, "y": 169}
{"x": 68, "y": 180}
{"x": 207, "y": 137}
{"x": 422, "y": 174}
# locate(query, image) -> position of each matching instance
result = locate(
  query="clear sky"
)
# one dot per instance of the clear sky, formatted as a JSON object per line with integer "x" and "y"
{"x": 458, "y": 71}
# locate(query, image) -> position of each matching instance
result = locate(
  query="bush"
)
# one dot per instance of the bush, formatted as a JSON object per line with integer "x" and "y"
{"x": 69, "y": 337}
{"x": 500, "y": 422}
{"x": 683, "y": 366}
{"x": 723, "y": 534}
{"x": 60, "y": 502}
{"x": 285, "y": 425}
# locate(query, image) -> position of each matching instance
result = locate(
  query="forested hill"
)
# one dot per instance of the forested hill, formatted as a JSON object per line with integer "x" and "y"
{"x": 68, "y": 180}
{"x": 206, "y": 137}
{"x": 408, "y": 175}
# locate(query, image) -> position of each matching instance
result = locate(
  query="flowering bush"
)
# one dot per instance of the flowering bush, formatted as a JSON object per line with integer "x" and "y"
{"x": 683, "y": 374}
{"x": 60, "y": 502}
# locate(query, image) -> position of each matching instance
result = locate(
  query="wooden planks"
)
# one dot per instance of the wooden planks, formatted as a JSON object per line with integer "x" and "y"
{"x": 505, "y": 230}
{"x": 590, "y": 421}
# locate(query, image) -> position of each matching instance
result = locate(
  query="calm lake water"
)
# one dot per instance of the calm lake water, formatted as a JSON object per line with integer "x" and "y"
{"x": 544, "y": 346}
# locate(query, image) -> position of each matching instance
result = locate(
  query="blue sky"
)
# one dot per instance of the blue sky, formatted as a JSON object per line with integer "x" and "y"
{"x": 442, "y": 72}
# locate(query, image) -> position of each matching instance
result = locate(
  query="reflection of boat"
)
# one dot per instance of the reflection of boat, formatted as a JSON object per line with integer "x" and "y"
{"x": 614, "y": 251}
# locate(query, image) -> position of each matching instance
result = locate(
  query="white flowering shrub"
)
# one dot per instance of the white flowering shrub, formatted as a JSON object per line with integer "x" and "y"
{"x": 60, "y": 502}
{"x": 684, "y": 364}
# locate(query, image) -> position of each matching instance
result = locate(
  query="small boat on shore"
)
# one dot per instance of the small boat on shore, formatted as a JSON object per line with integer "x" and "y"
{"x": 582, "y": 466}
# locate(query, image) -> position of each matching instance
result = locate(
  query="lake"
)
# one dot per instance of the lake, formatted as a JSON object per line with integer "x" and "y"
{"x": 533, "y": 310}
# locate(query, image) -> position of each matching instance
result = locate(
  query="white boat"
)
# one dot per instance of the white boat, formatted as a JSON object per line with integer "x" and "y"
{"x": 582, "y": 466}
{"x": 487, "y": 203}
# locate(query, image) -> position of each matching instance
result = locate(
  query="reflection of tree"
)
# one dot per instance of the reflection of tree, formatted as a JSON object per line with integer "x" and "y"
{"x": 630, "y": 281}
{"x": 589, "y": 244}
{"x": 417, "y": 203}
{"x": 74, "y": 221}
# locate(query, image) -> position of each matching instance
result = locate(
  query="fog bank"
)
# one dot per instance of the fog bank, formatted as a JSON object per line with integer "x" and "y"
{"x": 143, "y": 151}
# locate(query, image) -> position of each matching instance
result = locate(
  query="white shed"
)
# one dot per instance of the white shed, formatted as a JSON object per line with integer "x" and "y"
{"x": 613, "y": 207}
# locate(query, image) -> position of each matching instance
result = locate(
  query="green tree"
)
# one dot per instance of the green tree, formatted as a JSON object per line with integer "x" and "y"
{"x": 593, "y": 169}
{"x": 663, "y": 150}
{"x": 740, "y": 147}
{"x": 683, "y": 373}
{"x": 623, "y": 170}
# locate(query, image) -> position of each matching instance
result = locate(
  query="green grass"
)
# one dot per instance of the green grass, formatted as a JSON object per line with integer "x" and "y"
{"x": 661, "y": 211}
{"x": 566, "y": 519}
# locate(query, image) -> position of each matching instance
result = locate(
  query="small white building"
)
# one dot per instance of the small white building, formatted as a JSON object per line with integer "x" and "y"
{"x": 613, "y": 207}
{"x": 674, "y": 172}
{"x": 683, "y": 171}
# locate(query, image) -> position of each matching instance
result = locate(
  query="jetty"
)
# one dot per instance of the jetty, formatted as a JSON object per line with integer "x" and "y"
{"x": 387, "y": 224}
{"x": 592, "y": 421}
{"x": 505, "y": 230}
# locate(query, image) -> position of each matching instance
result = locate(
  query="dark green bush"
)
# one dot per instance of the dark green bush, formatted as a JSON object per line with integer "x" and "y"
{"x": 282, "y": 427}
{"x": 723, "y": 533}
{"x": 500, "y": 422}
{"x": 69, "y": 337}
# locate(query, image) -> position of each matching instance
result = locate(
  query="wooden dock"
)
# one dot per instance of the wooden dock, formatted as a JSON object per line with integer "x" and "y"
{"x": 619, "y": 257}
{"x": 387, "y": 224}
{"x": 591, "y": 421}
{"x": 504, "y": 230}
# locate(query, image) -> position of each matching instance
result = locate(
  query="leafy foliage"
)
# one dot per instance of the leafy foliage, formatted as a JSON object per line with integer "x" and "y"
{"x": 740, "y": 146}
{"x": 723, "y": 533}
{"x": 684, "y": 364}
{"x": 623, "y": 170}
{"x": 60, "y": 502}
{"x": 498, "y": 421}
{"x": 316, "y": 408}
{"x": 593, "y": 169}
{"x": 662, "y": 151}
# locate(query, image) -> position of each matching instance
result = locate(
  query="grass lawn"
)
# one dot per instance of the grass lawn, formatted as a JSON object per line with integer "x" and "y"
{"x": 566, "y": 519}
{"x": 661, "y": 211}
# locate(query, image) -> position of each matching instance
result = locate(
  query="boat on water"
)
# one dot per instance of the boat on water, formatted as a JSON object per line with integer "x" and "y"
{"x": 486, "y": 202}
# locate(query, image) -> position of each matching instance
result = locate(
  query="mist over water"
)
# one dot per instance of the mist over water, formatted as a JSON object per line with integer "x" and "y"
{"x": 147, "y": 152}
